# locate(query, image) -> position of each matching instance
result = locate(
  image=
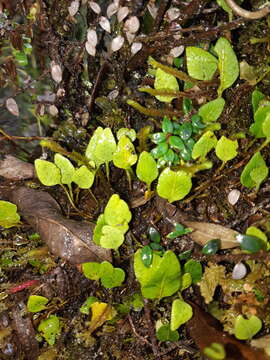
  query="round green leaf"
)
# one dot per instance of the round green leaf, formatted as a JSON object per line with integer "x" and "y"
{"x": 159, "y": 137}
{"x": 113, "y": 279}
{"x": 165, "y": 81}
{"x": 167, "y": 125}
{"x": 176, "y": 142}
{"x": 147, "y": 256}
{"x": 256, "y": 129}
{"x": 212, "y": 110}
{"x": 185, "y": 131}
{"x": 8, "y": 214}
{"x": 254, "y": 231}
{"x": 250, "y": 243}
{"x": 255, "y": 172}
{"x": 226, "y": 149}
{"x": 215, "y": 351}
{"x": 146, "y": 170}
{"x": 181, "y": 313}
{"x": 205, "y": 143}
{"x": 130, "y": 133}
{"x": 83, "y": 177}
{"x": 211, "y": 247}
{"x": 91, "y": 270}
{"x": 186, "y": 281}
{"x": 154, "y": 234}
{"x": 50, "y": 328}
{"x": 124, "y": 156}
{"x": 36, "y": 303}
{"x": 245, "y": 329}
{"x": 163, "y": 276}
{"x": 195, "y": 269}
{"x": 201, "y": 64}
{"x": 173, "y": 185}
{"x": 47, "y": 172}
{"x": 164, "y": 333}
{"x": 227, "y": 64}
{"x": 116, "y": 211}
{"x": 111, "y": 237}
{"x": 66, "y": 168}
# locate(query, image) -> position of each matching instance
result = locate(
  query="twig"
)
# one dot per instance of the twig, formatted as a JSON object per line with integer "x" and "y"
{"x": 261, "y": 255}
{"x": 141, "y": 338}
{"x": 151, "y": 330}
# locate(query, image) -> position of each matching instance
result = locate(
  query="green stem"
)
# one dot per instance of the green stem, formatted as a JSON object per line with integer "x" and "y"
{"x": 107, "y": 170}
{"x": 153, "y": 112}
{"x": 69, "y": 198}
{"x": 264, "y": 144}
{"x": 164, "y": 92}
{"x": 93, "y": 196}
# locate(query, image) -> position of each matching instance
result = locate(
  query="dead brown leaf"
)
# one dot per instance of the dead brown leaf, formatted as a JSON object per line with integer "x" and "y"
{"x": 68, "y": 239}
{"x": 202, "y": 231}
{"x": 14, "y": 169}
{"x": 204, "y": 329}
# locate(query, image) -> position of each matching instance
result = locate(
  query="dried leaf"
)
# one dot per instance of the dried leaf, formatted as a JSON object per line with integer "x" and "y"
{"x": 14, "y": 169}
{"x": 122, "y": 13}
{"x": 205, "y": 330}
{"x": 105, "y": 24}
{"x": 212, "y": 277}
{"x": 95, "y": 7}
{"x": 111, "y": 10}
{"x": 69, "y": 239}
{"x": 12, "y": 107}
{"x": 117, "y": 43}
{"x": 132, "y": 24}
{"x": 56, "y": 72}
{"x": 202, "y": 231}
{"x": 90, "y": 48}
{"x": 101, "y": 312}
{"x": 92, "y": 37}
{"x": 74, "y": 7}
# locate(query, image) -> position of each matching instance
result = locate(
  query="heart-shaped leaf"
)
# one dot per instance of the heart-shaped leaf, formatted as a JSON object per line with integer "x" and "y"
{"x": 245, "y": 329}
{"x": 181, "y": 313}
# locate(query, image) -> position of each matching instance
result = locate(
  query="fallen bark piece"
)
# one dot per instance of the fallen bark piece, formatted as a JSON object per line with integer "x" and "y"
{"x": 205, "y": 330}
{"x": 202, "y": 231}
{"x": 68, "y": 239}
{"x": 14, "y": 169}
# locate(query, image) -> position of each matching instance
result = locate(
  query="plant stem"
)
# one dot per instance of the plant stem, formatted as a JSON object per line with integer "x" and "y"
{"x": 153, "y": 112}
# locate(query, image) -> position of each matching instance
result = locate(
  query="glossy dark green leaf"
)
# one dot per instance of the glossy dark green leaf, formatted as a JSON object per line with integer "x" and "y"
{"x": 167, "y": 125}
{"x": 157, "y": 138}
{"x": 250, "y": 243}
{"x": 185, "y": 154}
{"x": 154, "y": 234}
{"x": 185, "y": 131}
{"x": 211, "y": 247}
{"x": 256, "y": 98}
{"x": 195, "y": 269}
{"x": 176, "y": 159}
{"x": 146, "y": 255}
{"x": 197, "y": 123}
{"x": 169, "y": 156}
{"x": 162, "y": 148}
{"x": 155, "y": 246}
{"x": 187, "y": 105}
{"x": 178, "y": 62}
{"x": 176, "y": 142}
{"x": 189, "y": 144}
{"x": 179, "y": 230}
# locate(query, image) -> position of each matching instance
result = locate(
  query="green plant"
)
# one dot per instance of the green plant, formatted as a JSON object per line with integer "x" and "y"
{"x": 212, "y": 110}
{"x": 112, "y": 224}
{"x": 164, "y": 332}
{"x": 164, "y": 81}
{"x": 147, "y": 251}
{"x": 201, "y": 64}
{"x": 8, "y": 214}
{"x": 50, "y": 328}
{"x": 109, "y": 276}
{"x": 255, "y": 172}
{"x": 180, "y": 314}
{"x": 215, "y": 351}
{"x": 179, "y": 230}
{"x": 147, "y": 170}
{"x": 36, "y": 303}
{"x": 251, "y": 243}
{"x": 245, "y": 329}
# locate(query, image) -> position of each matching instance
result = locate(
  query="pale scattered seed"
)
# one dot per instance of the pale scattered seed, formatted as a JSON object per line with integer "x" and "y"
{"x": 239, "y": 271}
{"x": 117, "y": 43}
{"x": 122, "y": 13}
{"x": 173, "y": 13}
{"x": 132, "y": 25}
{"x": 56, "y": 72}
{"x": 177, "y": 51}
{"x": 92, "y": 37}
{"x": 105, "y": 24}
{"x": 95, "y": 7}
{"x": 233, "y": 196}
{"x": 111, "y": 10}
{"x": 91, "y": 50}
{"x": 74, "y": 7}
{"x": 135, "y": 47}
{"x": 12, "y": 106}
{"x": 53, "y": 110}
{"x": 61, "y": 92}
{"x": 130, "y": 37}
{"x": 113, "y": 94}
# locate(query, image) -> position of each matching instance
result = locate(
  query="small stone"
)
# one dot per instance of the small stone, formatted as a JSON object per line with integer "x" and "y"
{"x": 233, "y": 196}
{"x": 117, "y": 43}
{"x": 74, "y": 7}
{"x": 56, "y": 72}
{"x": 95, "y": 7}
{"x": 239, "y": 271}
{"x": 122, "y": 13}
{"x": 135, "y": 47}
{"x": 105, "y": 24}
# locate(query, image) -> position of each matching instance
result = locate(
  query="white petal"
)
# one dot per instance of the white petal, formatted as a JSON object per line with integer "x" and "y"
{"x": 239, "y": 271}
{"x": 74, "y": 7}
{"x": 117, "y": 43}
{"x": 132, "y": 24}
{"x": 177, "y": 51}
{"x": 135, "y": 47}
{"x": 92, "y": 37}
{"x": 122, "y": 13}
{"x": 173, "y": 13}
{"x": 90, "y": 48}
{"x": 233, "y": 196}
{"x": 53, "y": 110}
{"x": 56, "y": 72}
{"x": 105, "y": 24}
{"x": 111, "y": 10}
{"x": 12, "y": 107}
{"x": 95, "y": 7}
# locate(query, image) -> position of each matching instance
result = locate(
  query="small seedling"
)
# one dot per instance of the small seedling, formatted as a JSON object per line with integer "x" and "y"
{"x": 164, "y": 333}
{"x": 211, "y": 247}
{"x": 201, "y": 64}
{"x": 215, "y": 351}
{"x": 250, "y": 243}
{"x": 147, "y": 170}
{"x": 194, "y": 268}
{"x": 36, "y": 303}
{"x": 8, "y": 214}
{"x": 245, "y": 329}
{"x": 180, "y": 314}
{"x": 109, "y": 276}
{"x": 179, "y": 230}
{"x": 50, "y": 329}
{"x": 255, "y": 172}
